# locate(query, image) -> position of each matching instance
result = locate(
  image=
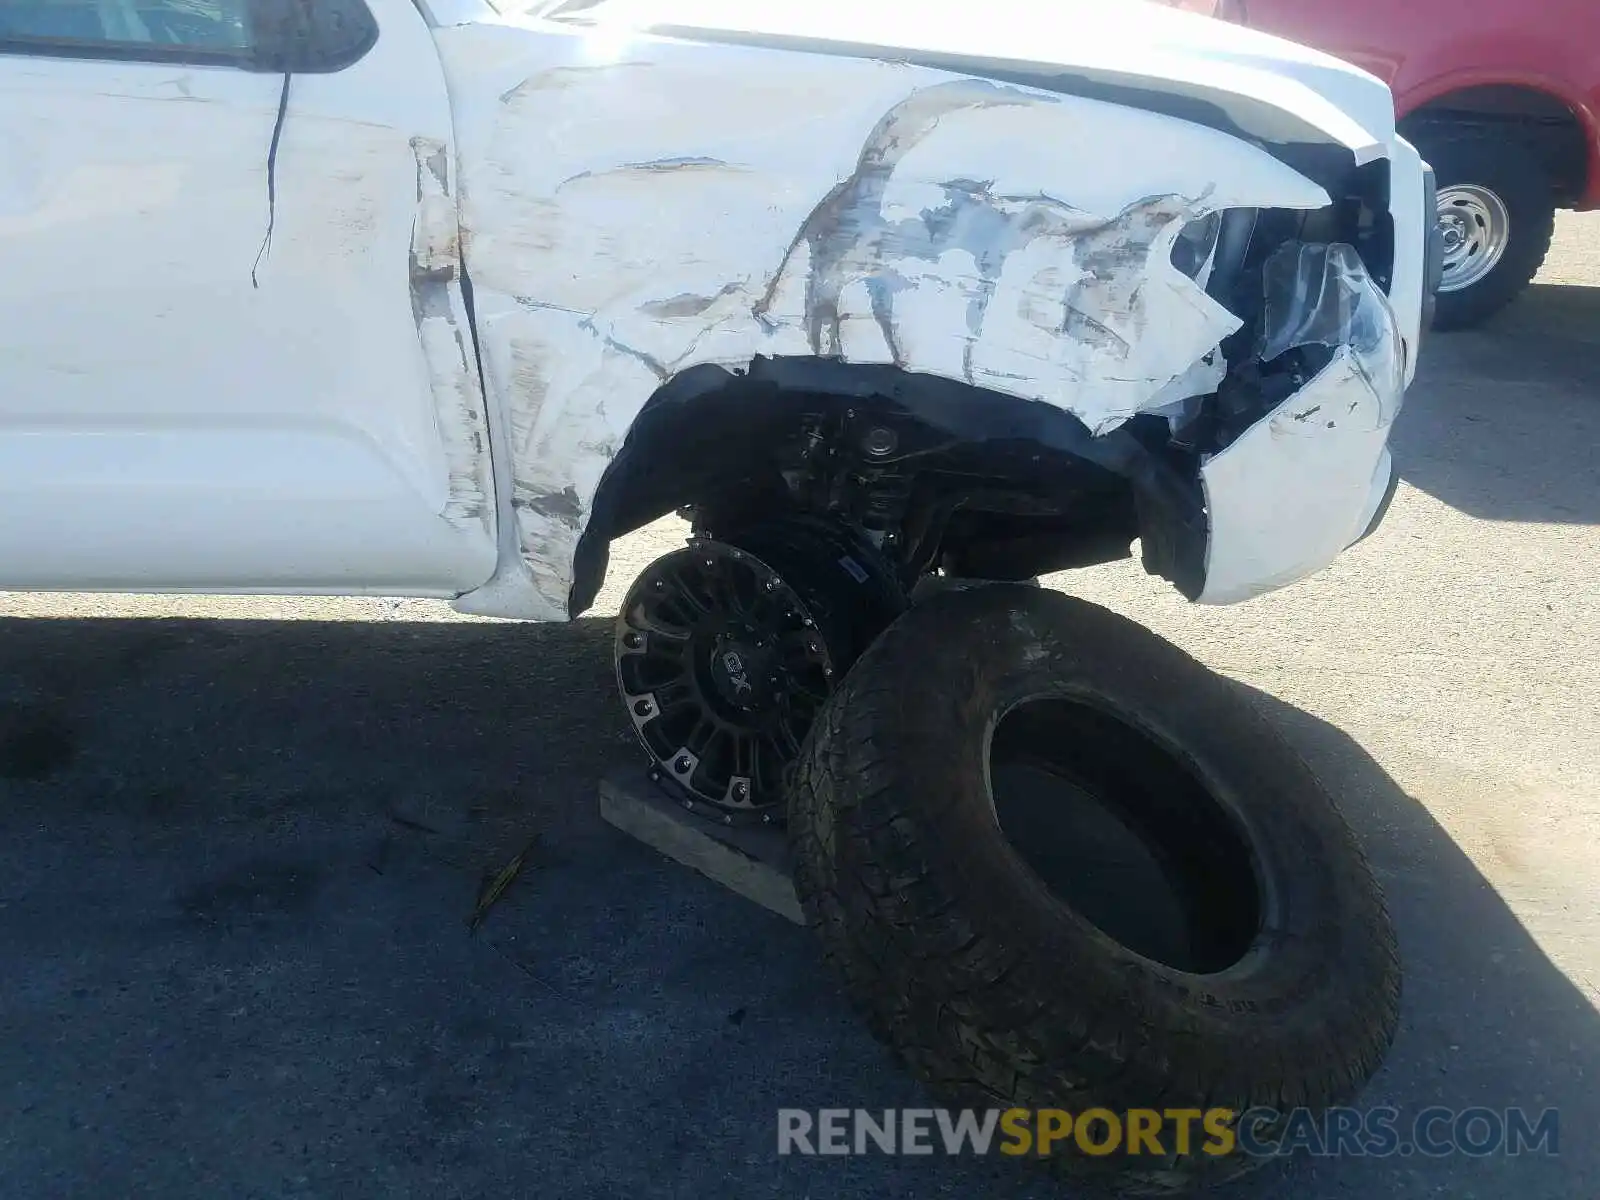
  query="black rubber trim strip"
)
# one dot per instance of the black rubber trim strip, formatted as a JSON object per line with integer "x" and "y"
{"x": 149, "y": 52}
{"x": 1383, "y": 505}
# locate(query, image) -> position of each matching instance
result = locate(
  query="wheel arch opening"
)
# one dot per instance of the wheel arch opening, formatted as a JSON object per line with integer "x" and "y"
{"x": 994, "y": 485}
{"x": 1553, "y": 128}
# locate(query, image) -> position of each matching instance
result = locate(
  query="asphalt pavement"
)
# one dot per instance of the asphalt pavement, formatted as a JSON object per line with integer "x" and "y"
{"x": 241, "y": 841}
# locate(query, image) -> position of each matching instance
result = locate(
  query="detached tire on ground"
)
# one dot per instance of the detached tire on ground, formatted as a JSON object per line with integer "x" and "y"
{"x": 1060, "y": 864}
{"x": 1497, "y": 208}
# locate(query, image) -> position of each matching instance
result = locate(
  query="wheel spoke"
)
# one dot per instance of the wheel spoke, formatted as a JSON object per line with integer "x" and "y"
{"x": 672, "y": 650}
{"x": 758, "y": 766}
{"x": 701, "y": 736}
{"x": 682, "y": 589}
{"x": 726, "y": 583}
{"x": 765, "y": 608}
{"x": 648, "y": 619}
{"x": 674, "y": 695}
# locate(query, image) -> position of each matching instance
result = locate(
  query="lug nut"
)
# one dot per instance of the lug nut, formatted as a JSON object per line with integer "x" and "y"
{"x": 642, "y": 708}
{"x": 681, "y": 764}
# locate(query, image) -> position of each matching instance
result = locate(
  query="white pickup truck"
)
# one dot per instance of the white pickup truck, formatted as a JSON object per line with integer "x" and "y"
{"x": 501, "y": 238}
{"x": 438, "y": 297}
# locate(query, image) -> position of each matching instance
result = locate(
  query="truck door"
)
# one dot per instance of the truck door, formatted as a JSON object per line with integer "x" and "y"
{"x": 233, "y": 353}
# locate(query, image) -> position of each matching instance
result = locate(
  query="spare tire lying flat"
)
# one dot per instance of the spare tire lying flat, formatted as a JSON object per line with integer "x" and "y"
{"x": 970, "y": 816}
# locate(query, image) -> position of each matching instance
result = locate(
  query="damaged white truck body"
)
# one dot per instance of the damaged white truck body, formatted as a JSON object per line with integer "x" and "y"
{"x": 693, "y": 210}
{"x": 421, "y": 297}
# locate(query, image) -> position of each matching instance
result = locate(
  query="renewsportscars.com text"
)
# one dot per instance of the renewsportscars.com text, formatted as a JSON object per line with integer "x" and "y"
{"x": 1260, "y": 1132}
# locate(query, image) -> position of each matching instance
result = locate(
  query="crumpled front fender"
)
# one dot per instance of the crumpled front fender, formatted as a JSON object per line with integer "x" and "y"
{"x": 634, "y": 209}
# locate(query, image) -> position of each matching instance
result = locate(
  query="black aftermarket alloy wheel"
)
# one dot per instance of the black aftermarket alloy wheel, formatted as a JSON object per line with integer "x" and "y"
{"x": 726, "y": 652}
{"x": 1060, "y": 864}
{"x": 720, "y": 670}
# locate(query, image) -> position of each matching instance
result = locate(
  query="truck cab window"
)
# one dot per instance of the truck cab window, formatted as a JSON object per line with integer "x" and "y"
{"x": 124, "y": 28}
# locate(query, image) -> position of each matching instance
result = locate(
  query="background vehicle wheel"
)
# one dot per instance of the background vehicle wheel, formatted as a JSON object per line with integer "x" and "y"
{"x": 1497, "y": 210}
{"x": 1059, "y": 863}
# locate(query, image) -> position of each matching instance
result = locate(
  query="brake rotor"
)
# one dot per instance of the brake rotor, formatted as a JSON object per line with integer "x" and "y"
{"x": 724, "y": 663}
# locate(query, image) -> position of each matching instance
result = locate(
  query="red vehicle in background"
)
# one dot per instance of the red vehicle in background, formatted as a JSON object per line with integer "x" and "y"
{"x": 1502, "y": 97}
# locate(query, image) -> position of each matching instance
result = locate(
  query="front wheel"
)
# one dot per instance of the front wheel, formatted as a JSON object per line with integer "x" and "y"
{"x": 1497, "y": 214}
{"x": 1060, "y": 864}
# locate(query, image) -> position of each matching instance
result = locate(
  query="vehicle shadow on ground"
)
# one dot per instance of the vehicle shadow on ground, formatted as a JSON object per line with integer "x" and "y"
{"x": 237, "y": 861}
{"x": 1504, "y": 422}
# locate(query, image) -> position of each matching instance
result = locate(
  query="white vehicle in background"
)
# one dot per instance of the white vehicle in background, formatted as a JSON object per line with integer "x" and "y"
{"x": 431, "y": 298}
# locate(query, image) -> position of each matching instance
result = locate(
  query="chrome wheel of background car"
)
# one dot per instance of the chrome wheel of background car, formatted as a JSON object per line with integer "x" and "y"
{"x": 1476, "y": 226}
{"x": 725, "y": 653}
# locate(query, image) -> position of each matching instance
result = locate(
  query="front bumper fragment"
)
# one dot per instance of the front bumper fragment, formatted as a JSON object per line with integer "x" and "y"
{"x": 1311, "y": 476}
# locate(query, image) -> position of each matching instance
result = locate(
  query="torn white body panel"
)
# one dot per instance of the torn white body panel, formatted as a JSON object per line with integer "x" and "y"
{"x": 1305, "y": 480}
{"x": 630, "y": 211}
{"x": 1298, "y": 486}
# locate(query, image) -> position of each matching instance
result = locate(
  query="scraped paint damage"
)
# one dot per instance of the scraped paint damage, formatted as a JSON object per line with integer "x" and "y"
{"x": 905, "y": 217}
{"x": 1072, "y": 292}
{"x": 446, "y": 337}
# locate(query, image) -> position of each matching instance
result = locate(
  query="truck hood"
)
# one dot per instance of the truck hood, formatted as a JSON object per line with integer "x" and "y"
{"x": 1190, "y": 66}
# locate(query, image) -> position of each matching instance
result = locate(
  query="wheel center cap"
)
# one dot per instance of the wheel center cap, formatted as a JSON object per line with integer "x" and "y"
{"x": 741, "y": 672}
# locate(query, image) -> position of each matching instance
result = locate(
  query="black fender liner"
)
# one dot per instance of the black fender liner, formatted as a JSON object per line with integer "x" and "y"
{"x": 705, "y": 428}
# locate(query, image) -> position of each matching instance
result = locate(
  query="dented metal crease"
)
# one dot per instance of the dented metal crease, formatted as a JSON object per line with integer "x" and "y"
{"x": 446, "y": 340}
